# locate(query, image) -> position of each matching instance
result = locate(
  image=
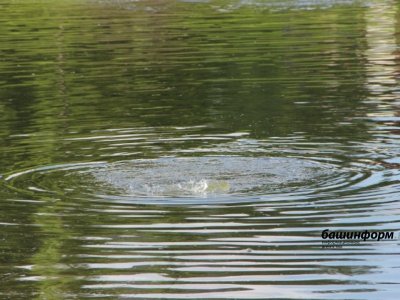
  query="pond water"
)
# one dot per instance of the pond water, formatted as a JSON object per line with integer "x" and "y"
{"x": 198, "y": 149}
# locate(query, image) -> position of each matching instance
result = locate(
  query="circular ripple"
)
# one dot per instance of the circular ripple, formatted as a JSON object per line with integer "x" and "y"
{"x": 194, "y": 177}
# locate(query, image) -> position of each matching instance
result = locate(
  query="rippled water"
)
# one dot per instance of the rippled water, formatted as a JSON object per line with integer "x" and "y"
{"x": 198, "y": 149}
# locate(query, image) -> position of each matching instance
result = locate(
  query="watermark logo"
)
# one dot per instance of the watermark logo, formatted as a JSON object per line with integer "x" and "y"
{"x": 338, "y": 239}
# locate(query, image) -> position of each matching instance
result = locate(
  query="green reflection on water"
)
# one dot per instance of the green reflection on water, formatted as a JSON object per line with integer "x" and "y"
{"x": 48, "y": 259}
{"x": 75, "y": 68}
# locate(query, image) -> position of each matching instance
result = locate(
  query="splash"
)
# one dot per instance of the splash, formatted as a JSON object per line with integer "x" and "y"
{"x": 209, "y": 176}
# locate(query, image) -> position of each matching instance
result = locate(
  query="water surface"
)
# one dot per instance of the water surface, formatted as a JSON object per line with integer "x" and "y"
{"x": 197, "y": 149}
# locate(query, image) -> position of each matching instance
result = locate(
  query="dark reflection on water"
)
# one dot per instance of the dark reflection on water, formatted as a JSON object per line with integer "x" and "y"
{"x": 99, "y": 99}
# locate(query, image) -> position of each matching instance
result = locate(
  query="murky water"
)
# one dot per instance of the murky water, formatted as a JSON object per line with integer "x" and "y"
{"x": 198, "y": 149}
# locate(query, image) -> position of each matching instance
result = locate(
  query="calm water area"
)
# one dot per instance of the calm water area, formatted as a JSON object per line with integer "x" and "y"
{"x": 198, "y": 149}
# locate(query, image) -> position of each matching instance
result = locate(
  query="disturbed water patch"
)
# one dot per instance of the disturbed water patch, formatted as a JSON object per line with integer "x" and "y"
{"x": 210, "y": 176}
{"x": 179, "y": 177}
